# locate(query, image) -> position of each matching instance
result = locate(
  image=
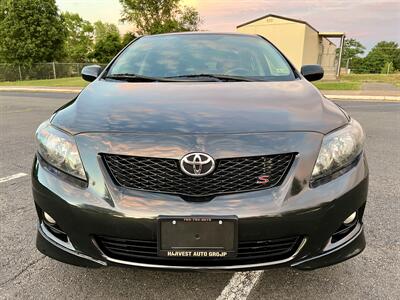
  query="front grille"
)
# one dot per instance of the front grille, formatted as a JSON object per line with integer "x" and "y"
{"x": 142, "y": 251}
{"x": 232, "y": 175}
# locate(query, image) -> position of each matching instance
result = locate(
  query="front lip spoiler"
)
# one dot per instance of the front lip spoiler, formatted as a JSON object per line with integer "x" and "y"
{"x": 327, "y": 253}
{"x": 68, "y": 247}
{"x": 204, "y": 268}
{"x": 71, "y": 250}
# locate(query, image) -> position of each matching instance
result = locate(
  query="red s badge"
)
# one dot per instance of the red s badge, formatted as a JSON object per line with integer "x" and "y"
{"x": 263, "y": 179}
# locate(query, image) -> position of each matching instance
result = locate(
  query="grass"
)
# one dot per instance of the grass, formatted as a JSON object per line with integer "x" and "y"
{"x": 390, "y": 78}
{"x": 60, "y": 82}
{"x": 354, "y": 81}
{"x": 337, "y": 85}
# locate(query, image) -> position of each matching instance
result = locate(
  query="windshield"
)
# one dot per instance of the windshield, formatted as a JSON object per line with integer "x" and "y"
{"x": 169, "y": 56}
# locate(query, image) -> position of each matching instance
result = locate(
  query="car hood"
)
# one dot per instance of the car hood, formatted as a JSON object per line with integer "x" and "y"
{"x": 199, "y": 107}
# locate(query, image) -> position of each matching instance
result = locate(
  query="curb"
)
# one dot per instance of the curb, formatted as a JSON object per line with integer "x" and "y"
{"x": 78, "y": 90}
{"x": 364, "y": 98}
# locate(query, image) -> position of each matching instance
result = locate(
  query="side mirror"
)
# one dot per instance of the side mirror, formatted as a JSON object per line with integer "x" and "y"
{"x": 90, "y": 73}
{"x": 312, "y": 72}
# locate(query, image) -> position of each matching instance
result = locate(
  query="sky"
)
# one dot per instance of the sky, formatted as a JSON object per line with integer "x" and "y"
{"x": 368, "y": 21}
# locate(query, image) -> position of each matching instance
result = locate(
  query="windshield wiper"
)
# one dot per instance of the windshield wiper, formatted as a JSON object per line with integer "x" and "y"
{"x": 135, "y": 78}
{"x": 141, "y": 78}
{"x": 218, "y": 77}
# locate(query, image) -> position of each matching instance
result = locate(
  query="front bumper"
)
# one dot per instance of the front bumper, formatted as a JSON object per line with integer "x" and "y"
{"x": 314, "y": 214}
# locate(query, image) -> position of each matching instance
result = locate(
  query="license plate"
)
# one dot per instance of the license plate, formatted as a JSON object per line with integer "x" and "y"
{"x": 197, "y": 237}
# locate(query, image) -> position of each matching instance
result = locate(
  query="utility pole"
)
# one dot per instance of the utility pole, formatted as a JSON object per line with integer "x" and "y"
{"x": 388, "y": 69}
{"x": 340, "y": 55}
{"x": 54, "y": 70}
{"x": 20, "y": 73}
{"x": 347, "y": 64}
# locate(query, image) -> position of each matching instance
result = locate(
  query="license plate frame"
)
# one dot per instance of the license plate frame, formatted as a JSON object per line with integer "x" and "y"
{"x": 221, "y": 243}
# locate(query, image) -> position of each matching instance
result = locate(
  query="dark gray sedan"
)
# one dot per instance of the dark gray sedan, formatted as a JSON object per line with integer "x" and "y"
{"x": 200, "y": 151}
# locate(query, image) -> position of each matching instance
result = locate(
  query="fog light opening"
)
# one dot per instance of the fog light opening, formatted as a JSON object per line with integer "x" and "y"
{"x": 51, "y": 225}
{"x": 350, "y": 219}
{"x": 49, "y": 219}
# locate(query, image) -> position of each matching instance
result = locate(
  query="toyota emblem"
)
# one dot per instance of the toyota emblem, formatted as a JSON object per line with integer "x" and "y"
{"x": 197, "y": 164}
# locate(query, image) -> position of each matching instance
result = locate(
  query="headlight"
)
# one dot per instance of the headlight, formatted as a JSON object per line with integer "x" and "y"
{"x": 338, "y": 150}
{"x": 59, "y": 150}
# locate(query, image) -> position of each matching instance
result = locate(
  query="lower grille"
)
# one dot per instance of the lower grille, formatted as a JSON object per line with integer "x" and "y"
{"x": 141, "y": 251}
{"x": 231, "y": 175}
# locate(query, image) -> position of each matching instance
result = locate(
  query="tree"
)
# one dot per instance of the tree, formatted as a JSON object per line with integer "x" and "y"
{"x": 387, "y": 68}
{"x": 382, "y": 54}
{"x": 159, "y": 16}
{"x": 396, "y": 59}
{"x": 30, "y": 31}
{"x": 79, "y": 41}
{"x": 127, "y": 38}
{"x": 357, "y": 65}
{"x": 351, "y": 49}
{"x": 107, "y": 42}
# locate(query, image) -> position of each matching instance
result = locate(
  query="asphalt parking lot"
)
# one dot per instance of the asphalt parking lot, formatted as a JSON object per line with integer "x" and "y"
{"x": 25, "y": 273}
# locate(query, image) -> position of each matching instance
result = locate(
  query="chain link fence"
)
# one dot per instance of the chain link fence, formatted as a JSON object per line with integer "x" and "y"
{"x": 12, "y": 72}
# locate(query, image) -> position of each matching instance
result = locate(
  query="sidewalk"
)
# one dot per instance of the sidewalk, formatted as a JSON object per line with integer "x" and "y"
{"x": 362, "y": 95}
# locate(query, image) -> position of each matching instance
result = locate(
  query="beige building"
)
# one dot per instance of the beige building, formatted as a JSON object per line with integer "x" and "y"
{"x": 299, "y": 41}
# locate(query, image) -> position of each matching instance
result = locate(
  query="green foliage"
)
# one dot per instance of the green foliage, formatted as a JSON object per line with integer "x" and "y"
{"x": 30, "y": 31}
{"x": 387, "y": 68}
{"x": 382, "y": 53}
{"x": 357, "y": 65}
{"x": 107, "y": 42}
{"x": 102, "y": 29}
{"x": 159, "y": 16}
{"x": 127, "y": 38}
{"x": 351, "y": 50}
{"x": 80, "y": 34}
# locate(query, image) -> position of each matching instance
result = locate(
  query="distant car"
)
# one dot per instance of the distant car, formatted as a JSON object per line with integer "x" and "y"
{"x": 200, "y": 151}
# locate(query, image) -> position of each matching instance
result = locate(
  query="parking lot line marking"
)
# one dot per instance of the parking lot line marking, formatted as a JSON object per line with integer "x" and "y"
{"x": 240, "y": 285}
{"x": 15, "y": 176}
